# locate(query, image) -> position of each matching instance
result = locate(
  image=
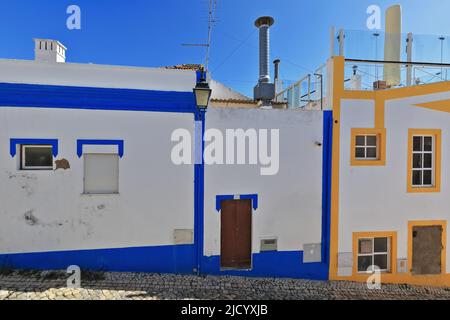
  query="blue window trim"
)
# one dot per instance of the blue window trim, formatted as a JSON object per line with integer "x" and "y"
{"x": 14, "y": 142}
{"x": 91, "y": 98}
{"x": 118, "y": 143}
{"x": 253, "y": 197}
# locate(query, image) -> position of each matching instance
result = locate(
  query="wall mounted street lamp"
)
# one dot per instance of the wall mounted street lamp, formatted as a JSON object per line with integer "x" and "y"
{"x": 202, "y": 93}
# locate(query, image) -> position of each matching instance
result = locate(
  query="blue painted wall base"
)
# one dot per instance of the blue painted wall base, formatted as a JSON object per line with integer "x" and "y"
{"x": 165, "y": 259}
{"x": 288, "y": 264}
{"x": 161, "y": 259}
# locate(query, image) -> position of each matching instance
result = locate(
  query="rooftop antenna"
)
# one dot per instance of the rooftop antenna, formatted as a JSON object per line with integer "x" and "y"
{"x": 376, "y": 35}
{"x": 442, "y": 39}
{"x": 211, "y": 21}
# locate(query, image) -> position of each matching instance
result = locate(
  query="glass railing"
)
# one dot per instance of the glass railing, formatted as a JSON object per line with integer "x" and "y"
{"x": 307, "y": 93}
{"x": 370, "y": 45}
{"x": 370, "y": 75}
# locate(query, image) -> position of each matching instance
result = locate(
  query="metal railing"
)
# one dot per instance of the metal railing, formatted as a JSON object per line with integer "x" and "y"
{"x": 308, "y": 92}
{"x": 367, "y": 74}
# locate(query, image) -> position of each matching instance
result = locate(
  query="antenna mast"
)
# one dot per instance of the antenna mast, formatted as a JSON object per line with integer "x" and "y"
{"x": 211, "y": 21}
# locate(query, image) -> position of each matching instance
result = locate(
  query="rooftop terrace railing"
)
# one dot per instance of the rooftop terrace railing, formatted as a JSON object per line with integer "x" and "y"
{"x": 422, "y": 59}
{"x": 369, "y": 74}
{"x": 308, "y": 92}
{"x": 370, "y": 45}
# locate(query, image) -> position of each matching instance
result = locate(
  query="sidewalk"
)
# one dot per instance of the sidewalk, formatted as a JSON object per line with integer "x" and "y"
{"x": 51, "y": 285}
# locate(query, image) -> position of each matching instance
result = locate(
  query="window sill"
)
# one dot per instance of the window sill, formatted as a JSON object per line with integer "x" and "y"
{"x": 99, "y": 194}
{"x": 362, "y": 273}
{"x": 367, "y": 163}
{"x": 423, "y": 189}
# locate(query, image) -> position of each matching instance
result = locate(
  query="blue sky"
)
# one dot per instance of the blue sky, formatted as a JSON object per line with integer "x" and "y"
{"x": 150, "y": 32}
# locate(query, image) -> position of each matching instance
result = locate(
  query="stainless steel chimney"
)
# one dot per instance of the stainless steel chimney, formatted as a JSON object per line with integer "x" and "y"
{"x": 264, "y": 90}
{"x": 276, "y": 69}
{"x": 276, "y": 75}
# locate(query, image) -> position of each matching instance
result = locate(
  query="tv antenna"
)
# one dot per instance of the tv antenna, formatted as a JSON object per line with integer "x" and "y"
{"x": 211, "y": 21}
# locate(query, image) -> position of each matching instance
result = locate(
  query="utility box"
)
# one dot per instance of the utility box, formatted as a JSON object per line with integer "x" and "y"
{"x": 183, "y": 236}
{"x": 312, "y": 253}
{"x": 402, "y": 266}
{"x": 268, "y": 245}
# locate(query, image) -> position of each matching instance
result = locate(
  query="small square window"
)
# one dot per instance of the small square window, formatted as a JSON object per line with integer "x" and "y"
{"x": 36, "y": 157}
{"x": 366, "y": 147}
{"x": 374, "y": 252}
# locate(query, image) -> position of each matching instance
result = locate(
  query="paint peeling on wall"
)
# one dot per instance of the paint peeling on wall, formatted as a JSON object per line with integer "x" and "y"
{"x": 62, "y": 164}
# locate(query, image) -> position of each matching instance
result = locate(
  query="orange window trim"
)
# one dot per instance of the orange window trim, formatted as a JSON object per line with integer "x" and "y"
{"x": 383, "y": 234}
{"x": 381, "y": 147}
{"x": 437, "y": 134}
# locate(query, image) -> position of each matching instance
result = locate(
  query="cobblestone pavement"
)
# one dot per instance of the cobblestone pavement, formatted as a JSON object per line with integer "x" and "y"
{"x": 51, "y": 285}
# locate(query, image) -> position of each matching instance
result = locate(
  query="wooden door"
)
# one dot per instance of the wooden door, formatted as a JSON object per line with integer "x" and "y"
{"x": 236, "y": 234}
{"x": 427, "y": 250}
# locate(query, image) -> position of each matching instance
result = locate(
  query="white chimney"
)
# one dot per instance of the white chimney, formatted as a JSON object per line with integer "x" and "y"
{"x": 46, "y": 50}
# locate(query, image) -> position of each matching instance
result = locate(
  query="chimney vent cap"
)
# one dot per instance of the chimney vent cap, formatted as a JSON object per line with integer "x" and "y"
{"x": 261, "y": 21}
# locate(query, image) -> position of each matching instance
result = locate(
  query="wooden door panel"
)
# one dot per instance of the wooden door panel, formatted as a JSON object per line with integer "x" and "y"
{"x": 236, "y": 226}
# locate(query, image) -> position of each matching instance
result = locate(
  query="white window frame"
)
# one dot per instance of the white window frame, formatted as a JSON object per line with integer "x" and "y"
{"x": 373, "y": 254}
{"x": 423, "y": 153}
{"x": 23, "y": 157}
{"x": 366, "y": 146}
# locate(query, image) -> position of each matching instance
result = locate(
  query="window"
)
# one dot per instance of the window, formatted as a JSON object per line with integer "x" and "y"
{"x": 36, "y": 157}
{"x": 374, "y": 252}
{"x": 368, "y": 147}
{"x": 101, "y": 173}
{"x": 424, "y": 161}
{"x": 422, "y": 166}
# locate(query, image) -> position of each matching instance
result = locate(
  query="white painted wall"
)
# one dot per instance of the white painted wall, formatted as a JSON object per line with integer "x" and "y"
{"x": 92, "y": 75}
{"x": 220, "y": 91}
{"x": 290, "y": 203}
{"x": 375, "y": 198}
{"x": 155, "y": 197}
